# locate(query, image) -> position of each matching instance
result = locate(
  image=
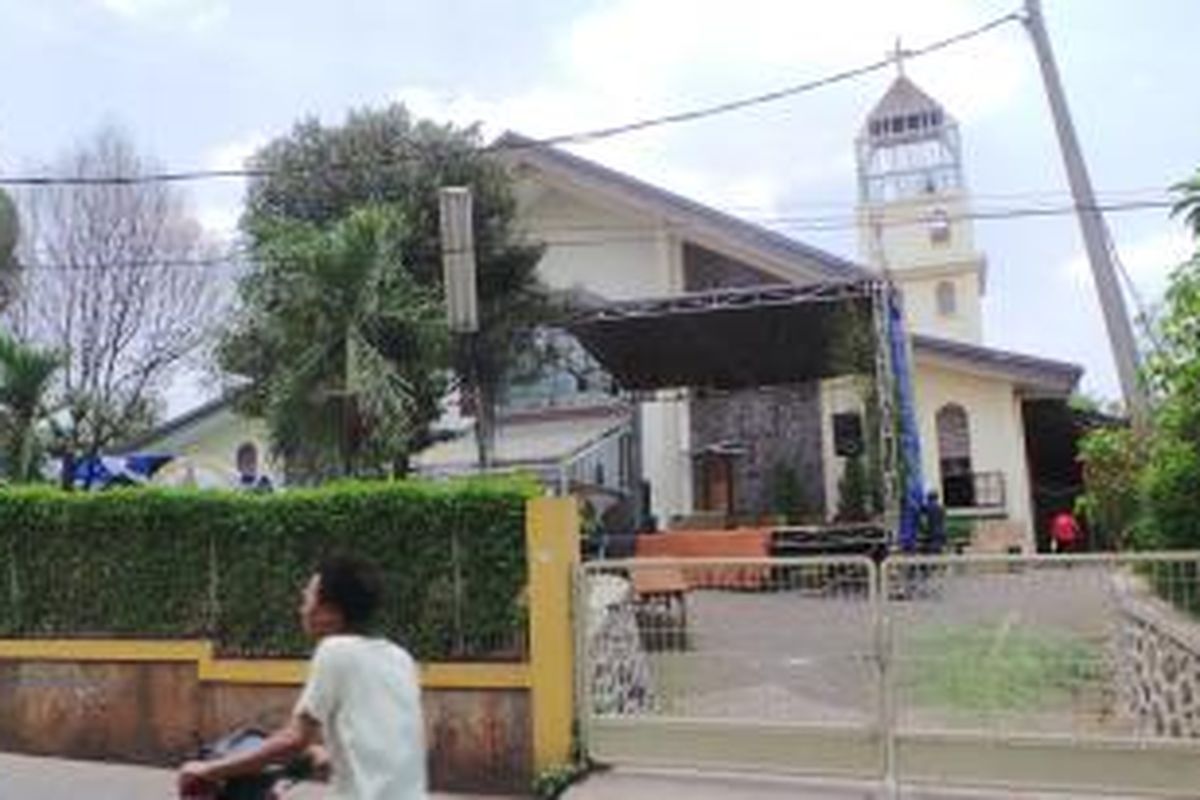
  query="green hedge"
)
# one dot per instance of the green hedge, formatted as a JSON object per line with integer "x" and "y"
{"x": 228, "y": 565}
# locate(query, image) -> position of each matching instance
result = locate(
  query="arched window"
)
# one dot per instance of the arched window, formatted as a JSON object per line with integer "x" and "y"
{"x": 246, "y": 459}
{"x": 954, "y": 456}
{"x": 947, "y": 300}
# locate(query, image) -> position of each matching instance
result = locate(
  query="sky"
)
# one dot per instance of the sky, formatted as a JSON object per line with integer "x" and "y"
{"x": 202, "y": 83}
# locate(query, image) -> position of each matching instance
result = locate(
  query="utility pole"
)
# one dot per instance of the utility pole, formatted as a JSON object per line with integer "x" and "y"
{"x": 1091, "y": 223}
{"x": 462, "y": 302}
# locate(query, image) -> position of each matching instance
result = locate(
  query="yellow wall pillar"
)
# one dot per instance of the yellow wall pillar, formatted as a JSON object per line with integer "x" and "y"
{"x": 552, "y": 550}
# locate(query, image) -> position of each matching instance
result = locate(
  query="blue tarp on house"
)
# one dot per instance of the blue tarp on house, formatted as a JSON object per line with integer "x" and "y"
{"x": 101, "y": 472}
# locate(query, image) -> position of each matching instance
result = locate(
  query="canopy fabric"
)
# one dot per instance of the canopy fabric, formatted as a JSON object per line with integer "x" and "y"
{"x": 912, "y": 498}
{"x": 99, "y": 472}
{"x": 733, "y": 339}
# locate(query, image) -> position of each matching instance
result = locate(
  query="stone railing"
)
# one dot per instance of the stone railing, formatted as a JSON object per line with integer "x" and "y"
{"x": 620, "y": 678}
{"x": 1158, "y": 663}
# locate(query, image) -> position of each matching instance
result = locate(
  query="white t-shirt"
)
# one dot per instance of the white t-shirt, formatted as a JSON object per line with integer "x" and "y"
{"x": 364, "y": 692}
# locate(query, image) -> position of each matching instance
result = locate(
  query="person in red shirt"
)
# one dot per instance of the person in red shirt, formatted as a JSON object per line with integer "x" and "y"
{"x": 1064, "y": 532}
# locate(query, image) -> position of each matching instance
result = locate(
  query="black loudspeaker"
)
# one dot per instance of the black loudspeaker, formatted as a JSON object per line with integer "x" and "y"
{"x": 848, "y": 434}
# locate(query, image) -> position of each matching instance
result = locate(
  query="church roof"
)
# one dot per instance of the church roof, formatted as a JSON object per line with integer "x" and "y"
{"x": 902, "y": 100}
{"x": 1033, "y": 375}
{"x": 795, "y": 260}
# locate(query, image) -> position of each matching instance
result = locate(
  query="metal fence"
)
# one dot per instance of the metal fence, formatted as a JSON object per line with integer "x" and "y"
{"x": 1048, "y": 672}
{"x": 752, "y": 662}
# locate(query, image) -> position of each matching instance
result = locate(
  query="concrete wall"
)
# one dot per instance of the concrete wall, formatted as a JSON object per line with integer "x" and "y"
{"x": 921, "y": 310}
{"x": 612, "y": 253}
{"x": 918, "y": 263}
{"x": 996, "y": 429}
{"x": 618, "y": 255}
{"x": 157, "y": 713}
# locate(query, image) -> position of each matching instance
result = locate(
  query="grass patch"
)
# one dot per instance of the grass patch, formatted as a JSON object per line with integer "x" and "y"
{"x": 1001, "y": 667}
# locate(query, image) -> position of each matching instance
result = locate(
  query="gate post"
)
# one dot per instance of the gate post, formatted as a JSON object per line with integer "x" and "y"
{"x": 551, "y": 551}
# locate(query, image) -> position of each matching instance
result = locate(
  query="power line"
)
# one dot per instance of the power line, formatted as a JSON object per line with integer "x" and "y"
{"x": 833, "y": 224}
{"x": 778, "y": 94}
{"x": 578, "y": 137}
{"x": 818, "y": 223}
{"x": 748, "y": 211}
{"x": 245, "y": 255}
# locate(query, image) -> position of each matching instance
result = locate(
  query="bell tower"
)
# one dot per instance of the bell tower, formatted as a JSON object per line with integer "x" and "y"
{"x": 914, "y": 212}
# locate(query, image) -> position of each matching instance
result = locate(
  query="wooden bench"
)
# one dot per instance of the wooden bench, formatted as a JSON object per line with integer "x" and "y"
{"x": 714, "y": 545}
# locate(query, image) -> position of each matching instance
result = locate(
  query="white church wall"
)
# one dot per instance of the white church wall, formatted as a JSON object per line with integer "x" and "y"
{"x": 666, "y": 458}
{"x": 922, "y": 312}
{"x": 996, "y": 430}
{"x": 613, "y": 255}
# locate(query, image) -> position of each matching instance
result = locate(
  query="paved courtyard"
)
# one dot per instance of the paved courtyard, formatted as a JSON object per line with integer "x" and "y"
{"x": 967, "y": 645}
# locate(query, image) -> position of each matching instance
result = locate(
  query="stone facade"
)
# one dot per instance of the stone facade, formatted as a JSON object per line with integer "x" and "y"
{"x": 621, "y": 681}
{"x": 769, "y": 428}
{"x": 1158, "y": 665}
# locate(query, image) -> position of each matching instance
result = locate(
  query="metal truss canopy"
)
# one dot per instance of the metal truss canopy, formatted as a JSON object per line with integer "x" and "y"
{"x": 735, "y": 338}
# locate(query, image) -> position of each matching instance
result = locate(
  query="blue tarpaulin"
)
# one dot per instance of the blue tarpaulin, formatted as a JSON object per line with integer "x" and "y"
{"x": 99, "y": 472}
{"x": 912, "y": 493}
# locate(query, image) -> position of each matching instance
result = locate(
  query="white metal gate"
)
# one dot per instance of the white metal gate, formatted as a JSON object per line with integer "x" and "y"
{"x": 1076, "y": 673}
{"x": 733, "y": 663}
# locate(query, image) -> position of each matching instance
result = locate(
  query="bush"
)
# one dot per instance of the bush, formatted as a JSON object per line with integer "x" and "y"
{"x": 1113, "y": 460}
{"x": 228, "y": 565}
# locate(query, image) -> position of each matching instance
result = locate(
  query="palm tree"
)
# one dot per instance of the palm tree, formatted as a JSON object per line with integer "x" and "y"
{"x": 353, "y": 341}
{"x": 26, "y": 374}
{"x": 1188, "y": 205}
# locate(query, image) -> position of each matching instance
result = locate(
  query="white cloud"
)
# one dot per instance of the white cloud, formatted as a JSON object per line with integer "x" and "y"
{"x": 1148, "y": 262}
{"x": 197, "y": 16}
{"x": 633, "y": 59}
{"x": 219, "y": 220}
{"x": 233, "y": 154}
{"x": 661, "y": 49}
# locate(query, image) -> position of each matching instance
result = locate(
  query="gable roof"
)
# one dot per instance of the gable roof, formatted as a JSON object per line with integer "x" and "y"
{"x": 1032, "y": 374}
{"x": 796, "y": 261}
{"x": 176, "y": 424}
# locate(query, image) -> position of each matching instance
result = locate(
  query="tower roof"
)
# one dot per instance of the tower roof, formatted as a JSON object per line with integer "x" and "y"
{"x": 904, "y": 112}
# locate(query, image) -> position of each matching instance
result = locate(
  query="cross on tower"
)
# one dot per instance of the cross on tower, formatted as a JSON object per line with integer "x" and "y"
{"x": 898, "y": 54}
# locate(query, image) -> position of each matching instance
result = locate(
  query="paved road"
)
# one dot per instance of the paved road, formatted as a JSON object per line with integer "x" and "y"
{"x": 26, "y": 778}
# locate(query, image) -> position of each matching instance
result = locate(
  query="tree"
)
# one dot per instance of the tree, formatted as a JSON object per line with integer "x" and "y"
{"x": 1162, "y": 473}
{"x": 343, "y": 342}
{"x": 319, "y": 175}
{"x": 25, "y": 379}
{"x": 1113, "y": 459}
{"x": 115, "y": 282}
{"x": 1188, "y": 205}
{"x": 1171, "y": 480}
